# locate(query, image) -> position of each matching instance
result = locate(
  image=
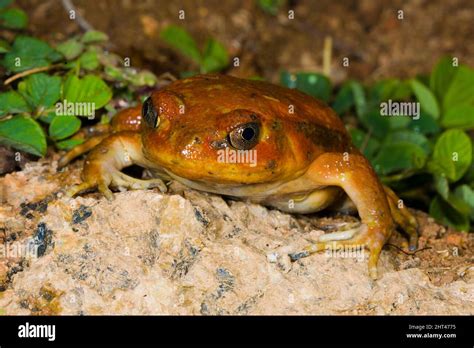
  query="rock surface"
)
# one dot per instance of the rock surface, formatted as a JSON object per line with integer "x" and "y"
{"x": 187, "y": 252}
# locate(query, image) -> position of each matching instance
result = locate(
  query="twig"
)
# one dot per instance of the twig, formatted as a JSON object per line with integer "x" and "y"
{"x": 83, "y": 24}
{"x": 29, "y": 72}
{"x": 327, "y": 53}
{"x": 406, "y": 252}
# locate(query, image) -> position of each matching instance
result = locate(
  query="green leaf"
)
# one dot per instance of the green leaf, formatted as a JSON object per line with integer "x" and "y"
{"x": 390, "y": 89}
{"x": 69, "y": 144}
{"x": 461, "y": 89}
{"x": 425, "y": 124}
{"x": 359, "y": 99}
{"x": 13, "y": 18}
{"x": 64, "y": 126}
{"x": 376, "y": 124}
{"x": 442, "y": 185}
{"x": 47, "y": 117}
{"x": 4, "y": 46}
{"x": 89, "y": 61}
{"x": 444, "y": 213}
{"x": 143, "y": 78}
{"x": 271, "y": 6}
{"x": 180, "y": 39}
{"x": 344, "y": 99}
{"x": 115, "y": 74}
{"x": 24, "y": 134}
{"x": 459, "y": 116}
{"x": 28, "y": 53}
{"x": 90, "y": 89}
{"x": 215, "y": 57}
{"x": 5, "y": 3}
{"x": 442, "y": 76}
{"x": 409, "y": 137}
{"x": 458, "y": 204}
{"x": 400, "y": 156}
{"x": 41, "y": 89}
{"x": 399, "y": 122}
{"x": 469, "y": 176}
{"x": 93, "y": 36}
{"x": 359, "y": 139}
{"x": 70, "y": 49}
{"x": 452, "y": 155}
{"x": 12, "y": 102}
{"x": 466, "y": 194}
{"x": 426, "y": 98}
{"x": 316, "y": 85}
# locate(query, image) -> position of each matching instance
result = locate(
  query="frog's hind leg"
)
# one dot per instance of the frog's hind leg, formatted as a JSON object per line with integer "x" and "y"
{"x": 403, "y": 218}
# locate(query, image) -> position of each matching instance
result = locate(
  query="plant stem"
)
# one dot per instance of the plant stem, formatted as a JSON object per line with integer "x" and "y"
{"x": 29, "y": 72}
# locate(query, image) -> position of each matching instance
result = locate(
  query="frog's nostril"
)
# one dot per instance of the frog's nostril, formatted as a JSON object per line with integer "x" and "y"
{"x": 149, "y": 113}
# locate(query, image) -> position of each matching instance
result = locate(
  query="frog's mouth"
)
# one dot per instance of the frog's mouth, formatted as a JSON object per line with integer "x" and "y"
{"x": 256, "y": 191}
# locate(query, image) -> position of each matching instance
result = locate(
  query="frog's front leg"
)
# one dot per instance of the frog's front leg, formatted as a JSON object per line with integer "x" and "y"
{"x": 103, "y": 165}
{"x": 356, "y": 177}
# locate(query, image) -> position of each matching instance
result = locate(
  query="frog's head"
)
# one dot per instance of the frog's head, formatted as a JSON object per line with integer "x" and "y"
{"x": 198, "y": 135}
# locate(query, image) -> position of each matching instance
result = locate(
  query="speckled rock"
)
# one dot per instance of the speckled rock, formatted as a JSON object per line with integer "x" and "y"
{"x": 188, "y": 252}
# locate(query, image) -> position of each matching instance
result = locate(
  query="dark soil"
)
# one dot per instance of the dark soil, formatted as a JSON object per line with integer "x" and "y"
{"x": 368, "y": 32}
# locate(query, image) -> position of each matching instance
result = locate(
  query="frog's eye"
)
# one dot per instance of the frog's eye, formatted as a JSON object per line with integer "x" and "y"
{"x": 149, "y": 114}
{"x": 245, "y": 136}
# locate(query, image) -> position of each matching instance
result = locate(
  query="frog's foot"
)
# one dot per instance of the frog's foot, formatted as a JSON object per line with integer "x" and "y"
{"x": 116, "y": 179}
{"x": 355, "y": 176}
{"x": 403, "y": 218}
{"x": 353, "y": 240}
{"x": 102, "y": 168}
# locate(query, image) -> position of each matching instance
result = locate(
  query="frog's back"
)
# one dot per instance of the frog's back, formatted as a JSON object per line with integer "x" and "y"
{"x": 298, "y": 114}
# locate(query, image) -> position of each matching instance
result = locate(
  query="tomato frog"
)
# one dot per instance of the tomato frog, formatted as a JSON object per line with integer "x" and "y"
{"x": 194, "y": 129}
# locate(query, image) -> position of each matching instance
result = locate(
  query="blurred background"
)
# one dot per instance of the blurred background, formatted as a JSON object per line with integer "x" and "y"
{"x": 260, "y": 33}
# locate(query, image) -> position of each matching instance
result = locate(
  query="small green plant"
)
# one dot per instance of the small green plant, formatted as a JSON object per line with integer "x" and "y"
{"x": 11, "y": 18}
{"x": 428, "y": 158}
{"x": 46, "y": 81}
{"x": 271, "y": 6}
{"x": 213, "y": 58}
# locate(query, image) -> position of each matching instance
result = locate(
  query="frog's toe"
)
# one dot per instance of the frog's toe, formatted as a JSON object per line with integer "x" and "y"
{"x": 104, "y": 189}
{"x": 403, "y": 218}
{"x": 75, "y": 189}
{"x": 123, "y": 180}
{"x": 354, "y": 241}
{"x": 102, "y": 186}
{"x": 339, "y": 235}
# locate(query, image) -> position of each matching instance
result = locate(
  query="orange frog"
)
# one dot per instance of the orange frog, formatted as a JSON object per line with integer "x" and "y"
{"x": 194, "y": 129}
